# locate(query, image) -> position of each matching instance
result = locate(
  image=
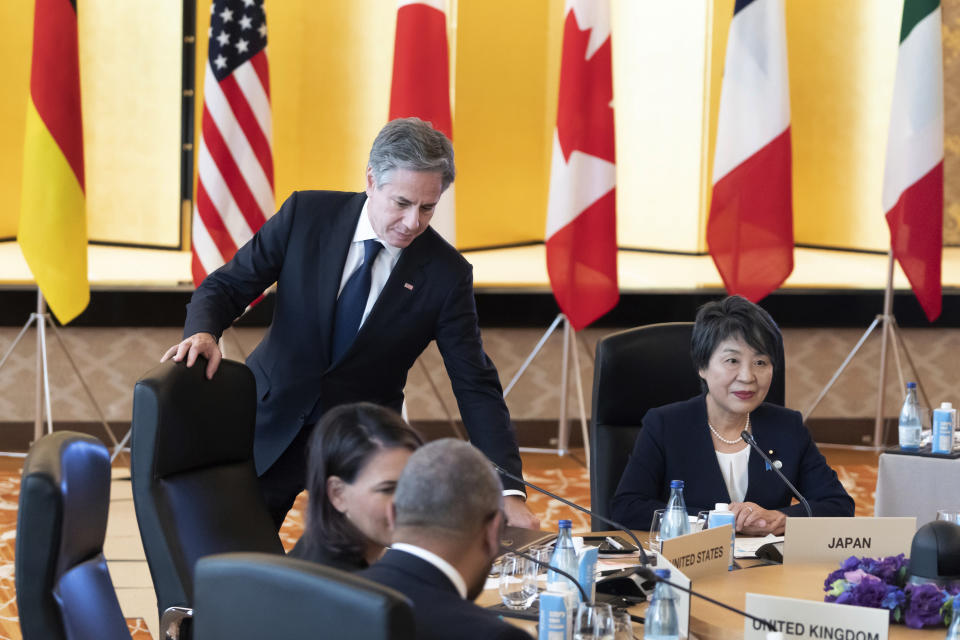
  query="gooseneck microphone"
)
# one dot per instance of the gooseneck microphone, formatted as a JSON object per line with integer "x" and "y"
{"x": 650, "y": 575}
{"x": 748, "y": 438}
{"x": 617, "y": 525}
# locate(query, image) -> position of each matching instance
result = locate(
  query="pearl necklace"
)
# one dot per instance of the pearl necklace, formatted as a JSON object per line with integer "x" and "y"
{"x": 724, "y": 440}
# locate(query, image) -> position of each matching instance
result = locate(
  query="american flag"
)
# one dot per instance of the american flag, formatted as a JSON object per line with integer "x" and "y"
{"x": 234, "y": 159}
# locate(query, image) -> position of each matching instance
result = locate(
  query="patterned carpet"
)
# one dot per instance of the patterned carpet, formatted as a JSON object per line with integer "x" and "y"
{"x": 570, "y": 480}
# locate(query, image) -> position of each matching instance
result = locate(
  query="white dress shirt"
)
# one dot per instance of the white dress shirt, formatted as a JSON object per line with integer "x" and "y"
{"x": 383, "y": 265}
{"x": 441, "y": 564}
{"x": 733, "y": 467}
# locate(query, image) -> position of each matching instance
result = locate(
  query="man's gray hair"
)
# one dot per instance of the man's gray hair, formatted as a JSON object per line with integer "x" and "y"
{"x": 447, "y": 484}
{"x": 412, "y": 144}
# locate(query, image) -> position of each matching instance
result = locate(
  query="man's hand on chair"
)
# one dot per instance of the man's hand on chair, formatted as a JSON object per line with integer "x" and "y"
{"x": 199, "y": 344}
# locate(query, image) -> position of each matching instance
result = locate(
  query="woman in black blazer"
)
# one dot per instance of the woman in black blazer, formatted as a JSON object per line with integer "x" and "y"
{"x": 698, "y": 440}
{"x": 356, "y": 454}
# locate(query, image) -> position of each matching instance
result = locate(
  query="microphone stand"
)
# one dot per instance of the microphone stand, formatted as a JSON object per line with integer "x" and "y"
{"x": 617, "y": 525}
{"x": 748, "y": 438}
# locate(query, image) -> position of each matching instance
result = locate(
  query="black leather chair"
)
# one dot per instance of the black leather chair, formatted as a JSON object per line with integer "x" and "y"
{"x": 636, "y": 370}
{"x": 250, "y": 596}
{"x": 194, "y": 483}
{"x": 63, "y": 586}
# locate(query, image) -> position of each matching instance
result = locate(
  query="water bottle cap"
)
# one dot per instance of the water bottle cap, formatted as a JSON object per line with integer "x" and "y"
{"x": 662, "y": 573}
{"x": 911, "y": 385}
{"x": 565, "y": 524}
{"x": 721, "y": 506}
{"x": 946, "y": 405}
{"x": 676, "y": 484}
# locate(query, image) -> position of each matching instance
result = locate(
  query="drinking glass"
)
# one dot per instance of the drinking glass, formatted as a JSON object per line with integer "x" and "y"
{"x": 655, "y": 531}
{"x": 518, "y": 581}
{"x": 701, "y": 523}
{"x": 541, "y": 552}
{"x": 622, "y": 625}
{"x": 594, "y": 622}
{"x": 950, "y": 515}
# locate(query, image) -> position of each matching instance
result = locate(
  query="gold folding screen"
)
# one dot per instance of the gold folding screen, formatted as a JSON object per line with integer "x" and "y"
{"x": 330, "y": 75}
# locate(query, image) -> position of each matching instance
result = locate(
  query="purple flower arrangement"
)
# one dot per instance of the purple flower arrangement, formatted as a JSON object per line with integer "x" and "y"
{"x": 881, "y": 583}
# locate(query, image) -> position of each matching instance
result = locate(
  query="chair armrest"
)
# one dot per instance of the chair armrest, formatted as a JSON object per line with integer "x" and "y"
{"x": 172, "y": 620}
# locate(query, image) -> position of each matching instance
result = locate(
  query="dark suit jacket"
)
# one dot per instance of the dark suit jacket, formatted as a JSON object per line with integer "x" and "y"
{"x": 438, "y": 609}
{"x": 429, "y": 296}
{"x": 675, "y": 444}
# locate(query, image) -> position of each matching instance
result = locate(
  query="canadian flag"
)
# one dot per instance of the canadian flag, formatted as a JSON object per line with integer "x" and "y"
{"x": 750, "y": 230}
{"x": 581, "y": 236}
{"x": 421, "y": 82}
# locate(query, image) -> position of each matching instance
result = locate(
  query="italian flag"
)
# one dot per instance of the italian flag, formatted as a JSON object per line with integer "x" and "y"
{"x": 53, "y": 225}
{"x": 421, "y": 83}
{"x": 913, "y": 179}
{"x": 750, "y": 228}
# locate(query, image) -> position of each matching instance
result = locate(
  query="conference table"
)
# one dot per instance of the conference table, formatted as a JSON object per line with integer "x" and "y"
{"x": 708, "y": 621}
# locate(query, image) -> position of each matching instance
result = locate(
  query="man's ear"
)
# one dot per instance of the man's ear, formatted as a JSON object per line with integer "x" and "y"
{"x": 491, "y": 535}
{"x": 371, "y": 182}
{"x": 335, "y": 488}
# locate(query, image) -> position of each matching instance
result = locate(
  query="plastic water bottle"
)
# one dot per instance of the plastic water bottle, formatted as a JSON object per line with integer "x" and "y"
{"x": 564, "y": 558}
{"x": 720, "y": 516}
{"x": 943, "y": 423}
{"x": 662, "y": 623}
{"x": 910, "y": 420}
{"x": 675, "y": 520}
{"x": 953, "y": 633}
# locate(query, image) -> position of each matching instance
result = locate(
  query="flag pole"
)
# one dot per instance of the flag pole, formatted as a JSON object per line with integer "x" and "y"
{"x": 42, "y": 402}
{"x": 887, "y": 322}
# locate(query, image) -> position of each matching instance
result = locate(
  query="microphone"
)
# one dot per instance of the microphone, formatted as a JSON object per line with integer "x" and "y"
{"x": 583, "y": 592}
{"x": 616, "y": 525}
{"x": 650, "y": 575}
{"x": 775, "y": 465}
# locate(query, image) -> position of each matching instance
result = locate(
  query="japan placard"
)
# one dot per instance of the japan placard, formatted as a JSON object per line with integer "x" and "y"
{"x": 702, "y": 553}
{"x": 815, "y": 620}
{"x": 835, "y": 539}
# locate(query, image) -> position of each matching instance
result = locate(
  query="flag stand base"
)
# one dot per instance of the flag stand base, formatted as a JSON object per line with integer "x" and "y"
{"x": 43, "y": 321}
{"x": 563, "y": 424}
{"x": 889, "y": 332}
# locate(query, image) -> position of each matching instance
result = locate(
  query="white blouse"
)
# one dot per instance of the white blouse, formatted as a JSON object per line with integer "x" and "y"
{"x": 733, "y": 467}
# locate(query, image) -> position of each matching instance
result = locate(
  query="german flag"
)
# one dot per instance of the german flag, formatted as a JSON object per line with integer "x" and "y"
{"x": 53, "y": 225}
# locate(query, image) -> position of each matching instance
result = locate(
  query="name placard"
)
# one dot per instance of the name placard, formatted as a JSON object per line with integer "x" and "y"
{"x": 816, "y": 620}
{"x": 702, "y": 553}
{"x": 681, "y": 598}
{"x": 834, "y": 539}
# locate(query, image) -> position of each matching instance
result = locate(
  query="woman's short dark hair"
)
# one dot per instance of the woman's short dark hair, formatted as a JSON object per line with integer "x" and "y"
{"x": 735, "y": 317}
{"x": 342, "y": 443}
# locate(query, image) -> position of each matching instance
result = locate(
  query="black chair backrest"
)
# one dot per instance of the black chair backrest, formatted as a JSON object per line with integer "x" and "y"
{"x": 194, "y": 483}
{"x": 63, "y": 587}
{"x": 249, "y": 596}
{"x": 636, "y": 370}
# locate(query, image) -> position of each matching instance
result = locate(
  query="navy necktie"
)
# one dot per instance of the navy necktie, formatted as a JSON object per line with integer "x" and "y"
{"x": 353, "y": 300}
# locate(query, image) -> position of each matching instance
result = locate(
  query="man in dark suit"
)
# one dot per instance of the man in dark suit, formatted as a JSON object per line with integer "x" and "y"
{"x": 446, "y": 532}
{"x": 363, "y": 285}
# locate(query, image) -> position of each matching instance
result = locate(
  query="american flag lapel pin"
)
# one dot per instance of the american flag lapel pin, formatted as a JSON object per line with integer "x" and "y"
{"x": 408, "y": 286}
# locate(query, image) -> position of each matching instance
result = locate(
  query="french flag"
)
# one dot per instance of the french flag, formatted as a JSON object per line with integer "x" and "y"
{"x": 750, "y": 229}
